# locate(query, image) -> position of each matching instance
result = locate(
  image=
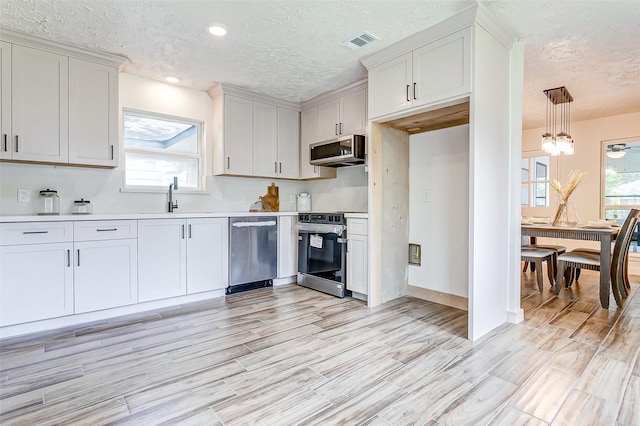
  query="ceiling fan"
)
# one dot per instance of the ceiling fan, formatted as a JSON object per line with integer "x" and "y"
{"x": 619, "y": 150}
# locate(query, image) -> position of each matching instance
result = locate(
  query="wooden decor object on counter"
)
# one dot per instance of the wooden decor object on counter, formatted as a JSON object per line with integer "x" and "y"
{"x": 270, "y": 202}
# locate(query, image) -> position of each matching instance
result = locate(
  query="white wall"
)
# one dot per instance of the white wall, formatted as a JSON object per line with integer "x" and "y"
{"x": 439, "y": 166}
{"x": 103, "y": 186}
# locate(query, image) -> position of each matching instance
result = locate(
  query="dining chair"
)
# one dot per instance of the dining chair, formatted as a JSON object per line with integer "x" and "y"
{"x": 590, "y": 259}
{"x": 629, "y": 225}
{"x": 536, "y": 256}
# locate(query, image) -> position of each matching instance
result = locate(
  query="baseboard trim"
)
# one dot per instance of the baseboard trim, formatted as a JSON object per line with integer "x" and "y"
{"x": 438, "y": 297}
{"x": 515, "y": 317}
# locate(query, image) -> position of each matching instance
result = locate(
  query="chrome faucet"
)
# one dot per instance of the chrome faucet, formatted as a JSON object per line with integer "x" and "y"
{"x": 173, "y": 186}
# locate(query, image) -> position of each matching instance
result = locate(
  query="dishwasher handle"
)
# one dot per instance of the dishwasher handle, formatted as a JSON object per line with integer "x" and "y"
{"x": 254, "y": 224}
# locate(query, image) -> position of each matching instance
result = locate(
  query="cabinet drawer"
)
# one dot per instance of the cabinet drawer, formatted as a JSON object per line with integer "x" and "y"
{"x": 105, "y": 230}
{"x": 35, "y": 233}
{"x": 357, "y": 227}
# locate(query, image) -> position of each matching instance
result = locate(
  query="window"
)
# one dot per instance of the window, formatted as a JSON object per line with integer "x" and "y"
{"x": 158, "y": 147}
{"x": 535, "y": 181}
{"x": 621, "y": 180}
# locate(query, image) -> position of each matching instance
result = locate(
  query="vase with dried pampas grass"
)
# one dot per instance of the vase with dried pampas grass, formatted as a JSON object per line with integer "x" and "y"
{"x": 564, "y": 192}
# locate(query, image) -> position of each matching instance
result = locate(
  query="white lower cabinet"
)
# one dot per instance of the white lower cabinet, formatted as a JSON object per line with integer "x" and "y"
{"x": 105, "y": 274}
{"x": 162, "y": 259}
{"x": 36, "y": 282}
{"x": 178, "y": 256}
{"x": 357, "y": 255}
{"x": 287, "y": 247}
{"x": 207, "y": 254}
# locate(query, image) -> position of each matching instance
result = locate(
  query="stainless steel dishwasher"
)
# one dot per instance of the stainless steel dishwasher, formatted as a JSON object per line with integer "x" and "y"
{"x": 253, "y": 252}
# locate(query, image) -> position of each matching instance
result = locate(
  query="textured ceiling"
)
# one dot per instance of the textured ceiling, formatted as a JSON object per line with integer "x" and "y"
{"x": 290, "y": 49}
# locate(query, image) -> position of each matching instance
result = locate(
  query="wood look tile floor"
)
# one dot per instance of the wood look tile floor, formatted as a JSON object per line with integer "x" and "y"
{"x": 289, "y": 355}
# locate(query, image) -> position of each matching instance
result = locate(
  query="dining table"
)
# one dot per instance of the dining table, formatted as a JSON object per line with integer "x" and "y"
{"x": 577, "y": 232}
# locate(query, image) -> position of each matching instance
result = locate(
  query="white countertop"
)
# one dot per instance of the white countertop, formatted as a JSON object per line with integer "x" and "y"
{"x": 133, "y": 216}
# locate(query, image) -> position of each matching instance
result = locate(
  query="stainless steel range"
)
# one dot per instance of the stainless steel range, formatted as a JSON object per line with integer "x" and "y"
{"x": 322, "y": 252}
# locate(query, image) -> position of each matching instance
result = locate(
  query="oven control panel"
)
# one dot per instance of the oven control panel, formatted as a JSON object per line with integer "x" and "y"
{"x": 331, "y": 218}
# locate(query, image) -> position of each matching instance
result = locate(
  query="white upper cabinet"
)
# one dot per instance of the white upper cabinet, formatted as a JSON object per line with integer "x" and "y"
{"x": 431, "y": 74}
{"x": 390, "y": 86}
{"x": 5, "y": 100}
{"x": 254, "y": 137}
{"x": 308, "y": 136}
{"x": 265, "y": 139}
{"x": 288, "y": 143}
{"x": 238, "y": 136}
{"x": 93, "y": 113}
{"x": 344, "y": 115}
{"x": 328, "y": 120}
{"x": 353, "y": 113}
{"x": 59, "y": 105}
{"x": 40, "y": 105}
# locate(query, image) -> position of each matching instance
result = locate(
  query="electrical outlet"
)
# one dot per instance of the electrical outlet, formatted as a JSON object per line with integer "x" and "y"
{"x": 217, "y": 197}
{"x": 292, "y": 199}
{"x": 426, "y": 197}
{"x": 24, "y": 195}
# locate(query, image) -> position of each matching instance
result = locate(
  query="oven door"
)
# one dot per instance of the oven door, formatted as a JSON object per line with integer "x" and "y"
{"x": 322, "y": 257}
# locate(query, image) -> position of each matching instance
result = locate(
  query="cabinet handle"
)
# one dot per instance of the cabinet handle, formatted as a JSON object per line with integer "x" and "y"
{"x": 183, "y": 232}
{"x": 228, "y": 163}
{"x": 112, "y": 152}
{"x": 340, "y": 128}
{"x": 408, "y": 98}
{"x": 275, "y": 167}
{"x": 35, "y": 232}
{"x": 68, "y": 258}
{"x": 280, "y": 167}
{"x": 107, "y": 230}
{"x": 414, "y": 90}
{"x": 5, "y": 143}
{"x": 189, "y": 230}
{"x": 336, "y": 129}
{"x": 78, "y": 257}
{"x": 16, "y": 143}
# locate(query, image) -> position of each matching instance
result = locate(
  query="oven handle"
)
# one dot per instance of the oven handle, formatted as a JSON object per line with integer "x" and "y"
{"x": 320, "y": 228}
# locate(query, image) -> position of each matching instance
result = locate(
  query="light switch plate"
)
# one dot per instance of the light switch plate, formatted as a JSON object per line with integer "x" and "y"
{"x": 24, "y": 195}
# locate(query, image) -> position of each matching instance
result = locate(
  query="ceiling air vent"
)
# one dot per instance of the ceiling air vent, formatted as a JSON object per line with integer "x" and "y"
{"x": 360, "y": 41}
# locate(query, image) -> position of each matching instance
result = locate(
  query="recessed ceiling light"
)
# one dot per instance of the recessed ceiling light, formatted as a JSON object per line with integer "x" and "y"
{"x": 217, "y": 30}
{"x": 172, "y": 79}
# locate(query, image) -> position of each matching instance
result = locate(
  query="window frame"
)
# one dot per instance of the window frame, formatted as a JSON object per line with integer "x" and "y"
{"x": 532, "y": 183}
{"x": 200, "y": 156}
{"x": 603, "y": 176}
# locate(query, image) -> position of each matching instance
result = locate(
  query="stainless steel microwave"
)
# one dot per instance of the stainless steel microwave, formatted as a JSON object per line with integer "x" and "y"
{"x": 342, "y": 151}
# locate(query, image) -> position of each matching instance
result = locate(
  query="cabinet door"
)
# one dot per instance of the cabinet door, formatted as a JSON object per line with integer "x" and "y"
{"x": 105, "y": 274}
{"x": 357, "y": 263}
{"x": 328, "y": 120}
{"x": 36, "y": 282}
{"x": 390, "y": 86}
{"x": 442, "y": 69}
{"x": 308, "y": 136}
{"x": 238, "y": 135}
{"x": 5, "y": 100}
{"x": 265, "y": 140}
{"x": 287, "y": 247}
{"x": 288, "y": 143}
{"x": 40, "y": 105}
{"x": 207, "y": 254}
{"x": 93, "y": 113}
{"x": 162, "y": 259}
{"x": 353, "y": 113}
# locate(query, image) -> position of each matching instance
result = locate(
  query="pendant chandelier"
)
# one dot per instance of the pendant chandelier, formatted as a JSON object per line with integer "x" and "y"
{"x": 558, "y": 118}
